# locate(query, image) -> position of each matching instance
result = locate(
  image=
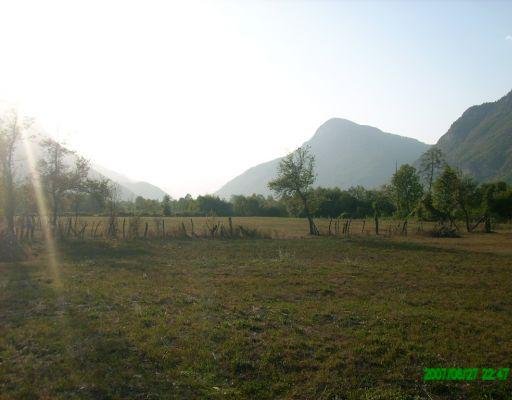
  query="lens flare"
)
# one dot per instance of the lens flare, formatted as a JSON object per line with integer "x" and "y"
{"x": 42, "y": 209}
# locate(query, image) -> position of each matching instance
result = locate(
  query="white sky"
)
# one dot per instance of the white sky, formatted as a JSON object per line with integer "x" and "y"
{"x": 187, "y": 95}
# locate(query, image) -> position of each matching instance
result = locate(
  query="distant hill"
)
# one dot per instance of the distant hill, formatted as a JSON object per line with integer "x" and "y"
{"x": 128, "y": 189}
{"x": 480, "y": 141}
{"x": 138, "y": 188}
{"x": 347, "y": 154}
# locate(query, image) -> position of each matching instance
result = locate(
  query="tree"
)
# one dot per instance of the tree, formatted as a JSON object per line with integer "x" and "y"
{"x": 80, "y": 185}
{"x": 430, "y": 164}
{"x": 99, "y": 192}
{"x": 209, "y": 204}
{"x": 248, "y": 206}
{"x": 295, "y": 178}
{"x": 502, "y": 204}
{"x": 468, "y": 198}
{"x": 166, "y": 205}
{"x": 444, "y": 194}
{"x": 57, "y": 178}
{"x": 10, "y": 134}
{"x": 496, "y": 202}
{"x": 380, "y": 204}
{"x": 406, "y": 190}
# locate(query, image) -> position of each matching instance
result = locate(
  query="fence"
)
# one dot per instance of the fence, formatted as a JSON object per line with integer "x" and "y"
{"x": 29, "y": 228}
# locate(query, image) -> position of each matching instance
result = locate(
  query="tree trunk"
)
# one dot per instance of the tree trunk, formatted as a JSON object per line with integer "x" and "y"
{"x": 488, "y": 228}
{"x": 9, "y": 204}
{"x": 55, "y": 210}
{"x": 312, "y": 227}
{"x": 313, "y": 230}
{"x": 466, "y": 216}
{"x": 404, "y": 228}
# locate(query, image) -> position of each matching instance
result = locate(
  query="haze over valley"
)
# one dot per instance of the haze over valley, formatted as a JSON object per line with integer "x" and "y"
{"x": 200, "y": 91}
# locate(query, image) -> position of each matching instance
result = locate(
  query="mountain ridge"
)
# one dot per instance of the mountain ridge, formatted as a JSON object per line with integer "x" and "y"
{"x": 129, "y": 189}
{"x": 479, "y": 142}
{"x": 347, "y": 154}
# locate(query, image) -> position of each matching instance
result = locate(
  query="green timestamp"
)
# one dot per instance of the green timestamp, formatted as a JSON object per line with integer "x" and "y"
{"x": 465, "y": 374}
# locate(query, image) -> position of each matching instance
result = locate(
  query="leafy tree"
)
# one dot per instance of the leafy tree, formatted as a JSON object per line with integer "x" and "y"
{"x": 467, "y": 198}
{"x": 444, "y": 196}
{"x": 185, "y": 206}
{"x": 213, "y": 204}
{"x": 10, "y": 134}
{"x": 80, "y": 185}
{"x": 502, "y": 205}
{"x": 496, "y": 202}
{"x": 166, "y": 205}
{"x": 247, "y": 206}
{"x": 58, "y": 179}
{"x": 406, "y": 190}
{"x": 329, "y": 202}
{"x": 430, "y": 164}
{"x": 296, "y": 175}
{"x": 98, "y": 194}
{"x": 381, "y": 204}
{"x": 147, "y": 206}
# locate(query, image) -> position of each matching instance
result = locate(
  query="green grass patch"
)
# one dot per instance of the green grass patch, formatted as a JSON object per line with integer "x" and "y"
{"x": 322, "y": 318}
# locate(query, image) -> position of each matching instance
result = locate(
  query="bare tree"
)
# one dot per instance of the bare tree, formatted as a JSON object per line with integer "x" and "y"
{"x": 295, "y": 179}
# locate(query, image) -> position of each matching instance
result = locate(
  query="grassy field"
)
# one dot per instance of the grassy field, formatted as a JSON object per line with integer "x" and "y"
{"x": 322, "y": 318}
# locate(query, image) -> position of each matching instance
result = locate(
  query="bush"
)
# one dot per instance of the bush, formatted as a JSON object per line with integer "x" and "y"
{"x": 444, "y": 231}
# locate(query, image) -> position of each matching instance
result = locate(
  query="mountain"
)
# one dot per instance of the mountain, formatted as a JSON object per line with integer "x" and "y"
{"x": 480, "y": 141}
{"x": 138, "y": 188}
{"x": 128, "y": 188}
{"x": 347, "y": 154}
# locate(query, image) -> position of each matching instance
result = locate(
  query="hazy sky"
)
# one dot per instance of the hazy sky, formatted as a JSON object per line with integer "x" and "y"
{"x": 189, "y": 94}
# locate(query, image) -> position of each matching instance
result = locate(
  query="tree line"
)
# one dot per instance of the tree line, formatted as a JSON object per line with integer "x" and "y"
{"x": 435, "y": 191}
{"x": 61, "y": 180}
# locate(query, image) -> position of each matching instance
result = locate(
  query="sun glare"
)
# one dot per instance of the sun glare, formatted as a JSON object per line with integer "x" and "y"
{"x": 42, "y": 209}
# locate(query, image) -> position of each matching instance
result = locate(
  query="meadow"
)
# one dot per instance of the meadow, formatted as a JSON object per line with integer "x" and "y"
{"x": 335, "y": 317}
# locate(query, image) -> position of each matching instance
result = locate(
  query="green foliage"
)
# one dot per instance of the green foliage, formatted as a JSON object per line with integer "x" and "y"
{"x": 430, "y": 163}
{"x": 185, "y": 206}
{"x": 356, "y": 202}
{"x": 166, "y": 205}
{"x": 502, "y": 204}
{"x": 406, "y": 190}
{"x": 295, "y": 178}
{"x": 213, "y": 204}
{"x": 10, "y": 134}
{"x": 257, "y": 205}
{"x": 444, "y": 196}
{"x": 255, "y": 319}
{"x": 147, "y": 206}
{"x": 296, "y": 174}
{"x": 59, "y": 180}
{"x": 497, "y": 199}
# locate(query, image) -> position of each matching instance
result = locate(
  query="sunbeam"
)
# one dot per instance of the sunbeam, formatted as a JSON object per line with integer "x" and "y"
{"x": 42, "y": 208}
